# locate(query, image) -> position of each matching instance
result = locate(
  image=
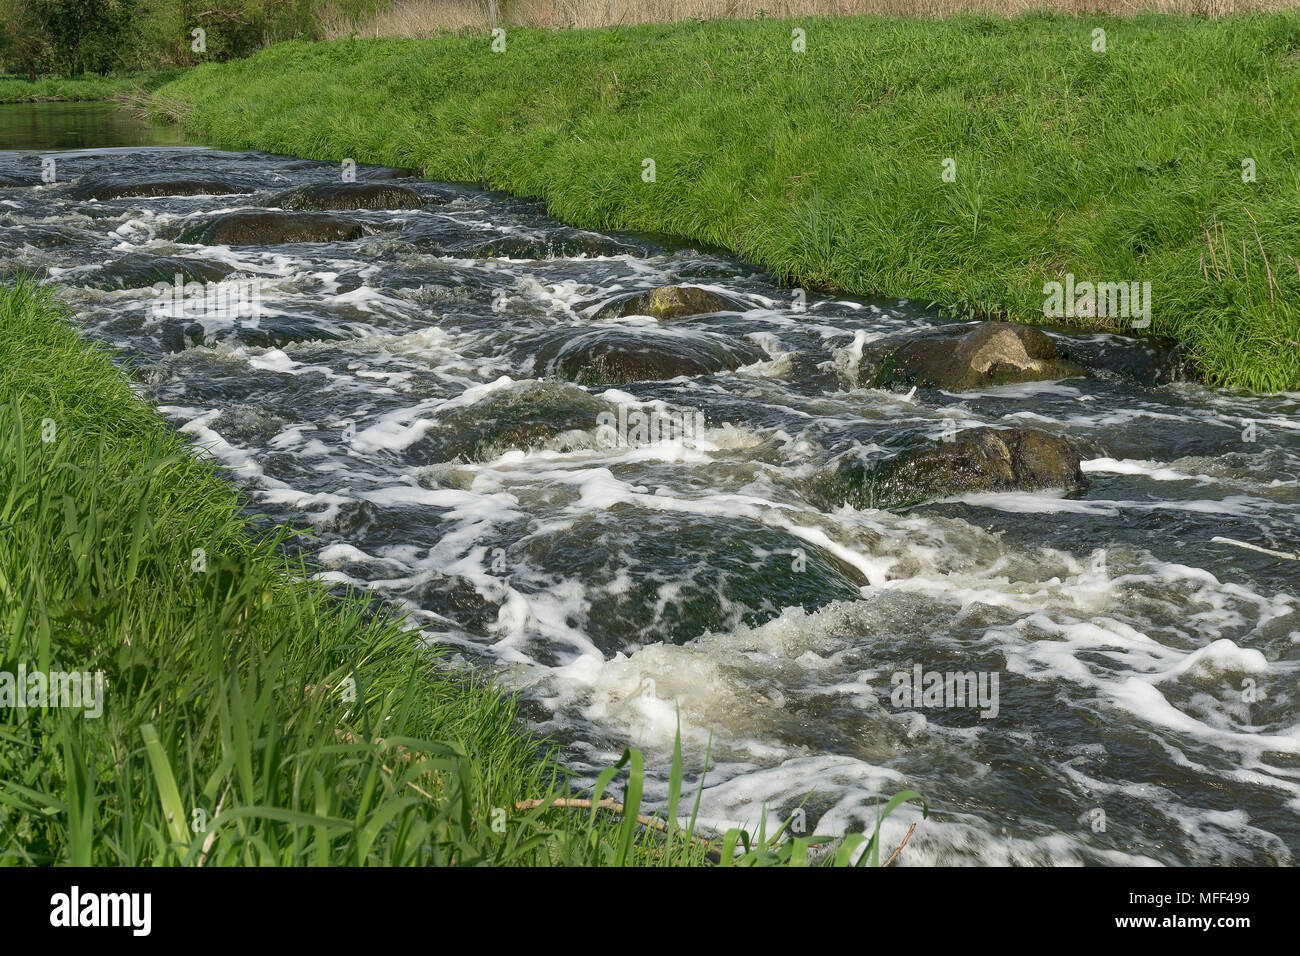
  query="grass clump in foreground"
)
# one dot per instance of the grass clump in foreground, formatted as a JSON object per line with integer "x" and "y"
{"x": 247, "y": 716}
{"x": 826, "y": 166}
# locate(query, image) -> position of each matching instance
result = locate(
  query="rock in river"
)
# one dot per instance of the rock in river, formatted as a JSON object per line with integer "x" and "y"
{"x": 350, "y": 196}
{"x": 975, "y": 460}
{"x": 651, "y": 576}
{"x": 269, "y": 228}
{"x": 620, "y": 356}
{"x": 670, "y": 302}
{"x": 139, "y": 270}
{"x": 151, "y": 186}
{"x": 1148, "y": 360}
{"x": 555, "y": 244}
{"x": 966, "y": 356}
{"x": 523, "y": 416}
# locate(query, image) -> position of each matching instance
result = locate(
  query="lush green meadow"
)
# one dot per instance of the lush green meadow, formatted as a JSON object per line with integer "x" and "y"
{"x": 245, "y": 716}
{"x": 827, "y": 166}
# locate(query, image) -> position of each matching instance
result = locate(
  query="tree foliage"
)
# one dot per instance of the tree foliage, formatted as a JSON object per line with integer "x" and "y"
{"x": 72, "y": 37}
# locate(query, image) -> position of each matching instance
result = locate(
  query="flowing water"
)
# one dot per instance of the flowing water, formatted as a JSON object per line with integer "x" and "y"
{"x": 397, "y": 395}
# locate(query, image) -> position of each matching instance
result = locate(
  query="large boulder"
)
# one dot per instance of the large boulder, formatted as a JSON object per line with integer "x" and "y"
{"x": 128, "y": 187}
{"x": 975, "y": 460}
{"x": 323, "y": 196}
{"x": 966, "y": 356}
{"x": 621, "y": 356}
{"x": 271, "y": 228}
{"x": 670, "y": 302}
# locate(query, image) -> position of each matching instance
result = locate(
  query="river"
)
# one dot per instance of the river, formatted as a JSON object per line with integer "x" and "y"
{"x": 398, "y": 395}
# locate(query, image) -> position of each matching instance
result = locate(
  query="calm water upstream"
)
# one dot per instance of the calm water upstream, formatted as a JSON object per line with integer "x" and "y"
{"x": 397, "y": 394}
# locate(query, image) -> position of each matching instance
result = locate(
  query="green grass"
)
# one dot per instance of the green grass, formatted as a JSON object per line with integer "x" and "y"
{"x": 825, "y": 166}
{"x": 18, "y": 89}
{"x": 248, "y": 717}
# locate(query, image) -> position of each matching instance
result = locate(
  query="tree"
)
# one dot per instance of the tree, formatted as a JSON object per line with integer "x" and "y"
{"x": 23, "y": 40}
{"x": 87, "y": 35}
{"x": 66, "y": 36}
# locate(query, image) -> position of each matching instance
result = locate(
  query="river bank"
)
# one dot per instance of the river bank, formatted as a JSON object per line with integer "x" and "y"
{"x": 967, "y": 162}
{"x": 78, "y": 89}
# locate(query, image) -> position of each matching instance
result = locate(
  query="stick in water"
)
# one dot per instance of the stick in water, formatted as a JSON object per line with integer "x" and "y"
{"x": 1254, "y": 547}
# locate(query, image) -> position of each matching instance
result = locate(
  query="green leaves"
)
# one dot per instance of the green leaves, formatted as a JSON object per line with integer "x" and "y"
{"x": 169, "y": 796}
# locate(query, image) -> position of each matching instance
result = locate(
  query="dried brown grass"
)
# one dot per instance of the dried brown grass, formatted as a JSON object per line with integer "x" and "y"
{"x": 412, "y": 18}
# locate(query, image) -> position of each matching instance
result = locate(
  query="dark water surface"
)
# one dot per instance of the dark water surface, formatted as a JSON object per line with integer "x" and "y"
{"x": 78, "y": 125}
{"x": 1147, "y": 704}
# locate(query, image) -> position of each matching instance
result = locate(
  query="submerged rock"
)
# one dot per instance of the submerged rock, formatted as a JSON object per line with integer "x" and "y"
{"x": 670, "y": 302}
{"x": 350, "y": 196}
{"x": 976, "y": 460}
{"x": 1148, "y": 360}
{"x": 561, "y": 244}
{"x": 138, "y": 270}
{"x": 652, "y": 576}
{"x": 458, "y": 600}
{"x": 146, "y": 186}
{"x": 621, "y": 356}
{"x": 967, "y": 356}
{"x": 271, "y": 228}
{"x": 280, "y": 330}
{"x": 247, "y": 424}
{"x": 178, "y": 334}
{"x": 40, "y": 237}
{"x": 523, "y": 417}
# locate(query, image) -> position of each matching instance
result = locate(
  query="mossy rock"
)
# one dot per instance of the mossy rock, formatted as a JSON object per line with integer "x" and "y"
{"x": 975, "y": 460}
{"x": 620, "y": 357}
{"x": 272, "y": 228}
{"x": 670, "y": 302}
{"x": 138, "y": 271}
{"x": 131, "y": 187}
{"x": 327, "y": 196}
{"x": 522, "y": 417}
{"x": 967, "y": 357}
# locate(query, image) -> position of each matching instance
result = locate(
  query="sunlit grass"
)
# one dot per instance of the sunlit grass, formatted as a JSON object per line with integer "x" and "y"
{"x": 826, "y": 166}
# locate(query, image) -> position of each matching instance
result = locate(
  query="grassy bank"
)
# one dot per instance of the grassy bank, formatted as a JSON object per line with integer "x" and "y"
{"x": 244, "y": 716}
{"x": 827, "y": 166}
{"x": 18, "y": 89}
{"x": 238, "y": 702}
